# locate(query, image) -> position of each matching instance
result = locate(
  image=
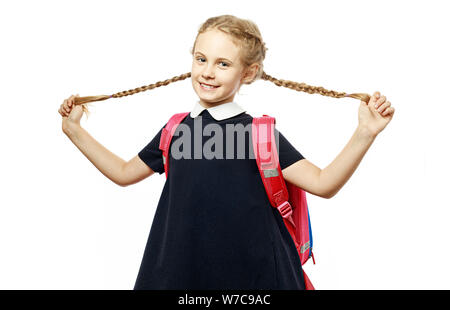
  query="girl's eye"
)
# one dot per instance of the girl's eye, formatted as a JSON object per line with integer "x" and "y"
{"x": 201, "y": 59}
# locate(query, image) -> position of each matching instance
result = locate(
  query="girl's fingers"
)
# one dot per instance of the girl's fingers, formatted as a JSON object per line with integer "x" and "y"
{"x": 67, "y": 105}
{"x": 379, "y": 101}
{"x": 61, "y": 107}
{"x": 389, "y": 110}
{"x": 73, "y": 99}
{"x": 384, "y": 106}
{"x": 386, "y": 112}
{"x": 373, "y": 99}
{"x": 381, "y": 108}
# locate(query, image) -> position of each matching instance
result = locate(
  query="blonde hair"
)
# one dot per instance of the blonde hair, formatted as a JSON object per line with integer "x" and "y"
{"x": 247, "y": 36}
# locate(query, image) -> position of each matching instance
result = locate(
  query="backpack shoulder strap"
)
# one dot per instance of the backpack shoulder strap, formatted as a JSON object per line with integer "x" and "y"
{"x": 266, "y": 156}
{"x": 295, "y": 217}
{"x": 167, "y": 135}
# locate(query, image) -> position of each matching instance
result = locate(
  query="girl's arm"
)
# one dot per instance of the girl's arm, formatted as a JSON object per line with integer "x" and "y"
{"x": 336, "y": 174}
{"x": 110, "y": 165}
{"x": 327, "y": 182}
{"x": 373, "y": 118}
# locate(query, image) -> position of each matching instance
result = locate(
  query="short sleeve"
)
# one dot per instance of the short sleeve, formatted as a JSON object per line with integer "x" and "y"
{"x": 287, "y": 153}
{"x": 151, "y": 155}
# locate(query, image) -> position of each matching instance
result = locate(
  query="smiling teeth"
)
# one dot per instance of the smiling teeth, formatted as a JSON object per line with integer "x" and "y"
{"x": 207, "y": 86}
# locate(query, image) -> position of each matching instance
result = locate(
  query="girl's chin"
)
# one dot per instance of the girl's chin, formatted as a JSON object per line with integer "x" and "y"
{"x": 210, "y": 100}
{"x": 209, "y": 91}
{"x": 208, "y": 95}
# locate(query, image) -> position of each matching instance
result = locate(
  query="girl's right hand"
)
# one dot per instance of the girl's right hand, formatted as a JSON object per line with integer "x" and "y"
{"x": 71, "y": 113}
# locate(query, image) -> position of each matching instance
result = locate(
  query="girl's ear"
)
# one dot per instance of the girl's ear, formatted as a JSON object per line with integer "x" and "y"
{"x": 250, "y": 73}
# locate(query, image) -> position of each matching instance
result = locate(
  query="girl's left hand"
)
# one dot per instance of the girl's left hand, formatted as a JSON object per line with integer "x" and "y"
{"x": 375, "y": 115}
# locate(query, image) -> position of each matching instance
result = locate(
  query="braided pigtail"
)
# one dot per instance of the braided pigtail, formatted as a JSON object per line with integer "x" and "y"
{"x": 313, "y": 89}
{"x": 84, "y": 100}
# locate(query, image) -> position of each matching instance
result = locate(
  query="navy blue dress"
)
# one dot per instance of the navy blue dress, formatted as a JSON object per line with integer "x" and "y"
{"x": 214, "y": 227}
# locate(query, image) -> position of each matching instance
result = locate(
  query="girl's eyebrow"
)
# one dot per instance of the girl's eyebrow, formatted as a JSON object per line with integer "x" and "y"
{"x": 221, "y": 58}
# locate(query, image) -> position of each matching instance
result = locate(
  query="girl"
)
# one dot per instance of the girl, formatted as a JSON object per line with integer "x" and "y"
{"x": 214, "y": 227}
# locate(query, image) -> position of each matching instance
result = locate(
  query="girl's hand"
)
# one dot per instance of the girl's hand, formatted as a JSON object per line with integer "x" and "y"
{"x": 375, "y": 115}
{"x": 71, "y": 113}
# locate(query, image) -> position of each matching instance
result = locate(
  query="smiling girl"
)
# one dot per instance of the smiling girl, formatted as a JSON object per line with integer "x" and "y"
{"x": 214, "y": 227}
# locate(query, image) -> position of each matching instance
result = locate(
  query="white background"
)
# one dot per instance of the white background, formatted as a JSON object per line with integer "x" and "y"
{"x": 63, "y": 225}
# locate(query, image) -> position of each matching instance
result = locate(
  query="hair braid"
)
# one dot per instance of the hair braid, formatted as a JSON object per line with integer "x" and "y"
{"x": 83, "y": 100}
{"x": 313, "y": 89}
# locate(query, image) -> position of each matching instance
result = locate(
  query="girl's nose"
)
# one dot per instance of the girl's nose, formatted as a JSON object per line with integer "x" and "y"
{"x": 208, "y": 73}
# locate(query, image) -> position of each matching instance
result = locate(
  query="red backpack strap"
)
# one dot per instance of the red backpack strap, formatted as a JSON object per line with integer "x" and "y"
{"x": 266, "y": 156}
{"x": 166, "y": 137}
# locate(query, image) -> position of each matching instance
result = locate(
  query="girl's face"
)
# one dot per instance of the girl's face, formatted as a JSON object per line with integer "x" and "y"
{"x": 216, "y": 63}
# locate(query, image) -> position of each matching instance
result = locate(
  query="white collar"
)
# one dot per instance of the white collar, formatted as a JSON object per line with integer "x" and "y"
{"x": 220, "y": 112}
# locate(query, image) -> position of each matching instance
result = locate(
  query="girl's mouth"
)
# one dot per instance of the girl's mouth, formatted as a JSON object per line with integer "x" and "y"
{"x": 207, "y": 87}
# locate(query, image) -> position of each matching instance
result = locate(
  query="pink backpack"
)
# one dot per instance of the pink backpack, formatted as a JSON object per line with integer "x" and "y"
{"x": 289, "y": 199}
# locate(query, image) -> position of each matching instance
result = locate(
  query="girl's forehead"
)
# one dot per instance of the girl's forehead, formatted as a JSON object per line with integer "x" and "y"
{"x": 215, "y": 43}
